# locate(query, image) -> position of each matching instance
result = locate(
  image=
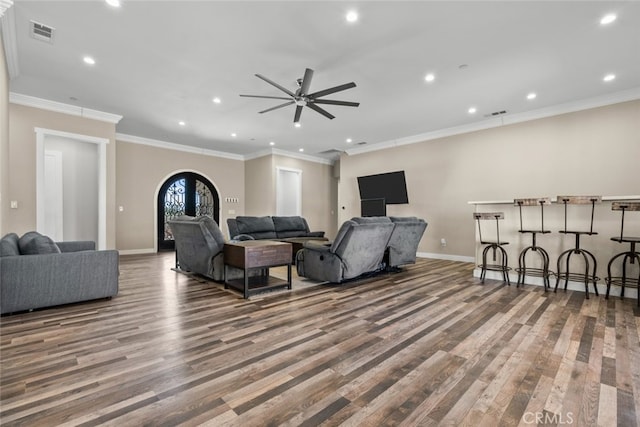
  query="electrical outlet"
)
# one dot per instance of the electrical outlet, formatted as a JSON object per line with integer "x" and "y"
{"x": 14, "y": 204}
{"x": 443, "y": 242}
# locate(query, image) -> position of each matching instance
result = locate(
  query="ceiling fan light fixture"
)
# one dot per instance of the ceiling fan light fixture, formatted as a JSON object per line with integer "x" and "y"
{"x": 297, "y": 124}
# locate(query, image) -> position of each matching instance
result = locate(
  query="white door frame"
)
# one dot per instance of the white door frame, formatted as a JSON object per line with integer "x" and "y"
{"x": 279, "y": 190}
{"x": 41, "y": 135}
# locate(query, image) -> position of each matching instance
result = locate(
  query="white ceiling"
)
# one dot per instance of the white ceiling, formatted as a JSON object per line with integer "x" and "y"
{"x": 159, "y": 62}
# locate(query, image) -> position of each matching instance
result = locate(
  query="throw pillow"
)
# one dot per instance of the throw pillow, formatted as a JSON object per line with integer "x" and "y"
{"x": 34, "y": 243}
{"x": 9, "y": 245}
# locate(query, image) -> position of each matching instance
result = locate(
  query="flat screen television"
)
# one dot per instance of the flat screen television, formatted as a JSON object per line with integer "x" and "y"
{"x": 391, "y": 186}
{"x": 373, "y": 207}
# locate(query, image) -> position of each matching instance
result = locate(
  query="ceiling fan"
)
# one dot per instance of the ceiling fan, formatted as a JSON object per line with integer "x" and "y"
{"x": 301, "y": 97}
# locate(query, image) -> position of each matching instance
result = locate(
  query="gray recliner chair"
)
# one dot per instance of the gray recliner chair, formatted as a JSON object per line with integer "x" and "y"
{"x": 358, "y": 248}
{"x": 199, "y": 244}
{"x": 405, "y": 239}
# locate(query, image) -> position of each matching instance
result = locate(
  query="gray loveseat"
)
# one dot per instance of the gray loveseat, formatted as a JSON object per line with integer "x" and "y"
{"x": 36, "y": 272}
{"x": 404, "y": 241}
{"x": 199, "y": 244}
{"x": 359, "y": 248}
{"x": 271, "y": 228}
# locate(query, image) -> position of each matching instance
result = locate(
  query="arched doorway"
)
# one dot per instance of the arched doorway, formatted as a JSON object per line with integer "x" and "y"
{"x": 185, "y": 193}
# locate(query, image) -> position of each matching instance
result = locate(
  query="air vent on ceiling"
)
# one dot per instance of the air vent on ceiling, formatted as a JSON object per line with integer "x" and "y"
{"x": 361, "y": 143}
{"x": 496, "y": 113}
{"x": 41, "y": 32}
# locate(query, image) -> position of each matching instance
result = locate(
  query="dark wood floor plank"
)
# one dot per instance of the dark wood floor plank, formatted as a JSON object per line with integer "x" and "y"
{"x": 429, "y": 345}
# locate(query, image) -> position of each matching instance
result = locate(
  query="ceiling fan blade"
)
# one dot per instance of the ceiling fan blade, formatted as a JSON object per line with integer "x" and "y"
{"x": 262, "y": 96}
{"x": 276, "y": 107}
{"x": 272, "y": 83}
{"x": 334, "y": 102}
{"x": 296, "y": 117}
{"x": 306, "y": 81}
{"x": 320, "y": 110}
{"x": 331, "y": 90}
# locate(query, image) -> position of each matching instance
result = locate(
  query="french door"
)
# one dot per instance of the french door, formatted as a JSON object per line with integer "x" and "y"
{"x": 185, "y": 193}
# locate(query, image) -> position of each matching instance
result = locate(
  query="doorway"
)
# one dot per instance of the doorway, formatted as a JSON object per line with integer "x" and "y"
{"x": 185, "y": 193}
{"x": 288, "y": 192}
{"x": 71, "y": 186}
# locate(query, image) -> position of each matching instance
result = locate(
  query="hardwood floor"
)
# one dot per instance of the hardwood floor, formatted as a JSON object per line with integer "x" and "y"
{"x": 427, "y": 346}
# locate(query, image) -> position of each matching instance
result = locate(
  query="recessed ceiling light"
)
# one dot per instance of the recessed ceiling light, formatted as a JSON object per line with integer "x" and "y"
{"x": 608, "y": 19}
{"x": 272, "y": 143}
{"x": 217, "y": 100}
{"x": 430, "y": 77}
{"x": 301, "y": 150}
{"x": 532, "y": 95}
{"x": 234, "y": 134}
{"x": 114, "y": 3}
{"x": 349, "y": 140}
{"x": 609, "y": 77}
{"x": 472, "y": 110}
{"x": 89, "y": 60}
{"x": 182, "y": 123}
{"x": 351, "y": 16}
{"x": 297, "y": 124}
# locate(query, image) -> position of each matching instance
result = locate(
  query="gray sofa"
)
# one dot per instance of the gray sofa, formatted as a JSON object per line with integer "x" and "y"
{"x": 199, "y": 244}
{"x": 358, "y": 248}
{"x": 36, "y": 272}
{"x": 271, "y": 227}
{"x": 404, "y": 241}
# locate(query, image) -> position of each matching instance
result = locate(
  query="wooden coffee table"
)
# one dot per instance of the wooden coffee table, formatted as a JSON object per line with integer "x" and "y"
{"x": 250, "y": 255}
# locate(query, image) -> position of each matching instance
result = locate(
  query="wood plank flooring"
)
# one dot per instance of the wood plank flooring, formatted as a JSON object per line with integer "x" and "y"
{"x": 427, "y": 346}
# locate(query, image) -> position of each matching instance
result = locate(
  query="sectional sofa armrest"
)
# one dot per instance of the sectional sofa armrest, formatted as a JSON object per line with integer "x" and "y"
{"x": 315, "y": 234}
{"x": 317, "y": 245}
{"x": 34, "y": 281}
{"x": 76, "y": 246}
{"x": 241, "y": 237}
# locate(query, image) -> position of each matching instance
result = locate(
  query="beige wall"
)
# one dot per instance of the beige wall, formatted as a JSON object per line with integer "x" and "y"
{"x": 4, "y": 141}
{"x": 588, "y": 152}
{"x": 142, "y": 169}
{"x": 260, "y": 189}
{"x": 22, "y": 165}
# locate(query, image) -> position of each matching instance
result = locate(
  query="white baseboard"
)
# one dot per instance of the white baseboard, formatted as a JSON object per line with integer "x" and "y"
{"x": 137, "y": 251}
{"x": 445, "y": 257}
{"x": 572, "y": 286}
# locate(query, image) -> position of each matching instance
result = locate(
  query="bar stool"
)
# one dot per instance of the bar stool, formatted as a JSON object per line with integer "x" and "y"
{"x": 586, "y": 255}
{"x": 630, "y": 256}
{"x": 522, "y": 267}
{"x": 495, "y": 246}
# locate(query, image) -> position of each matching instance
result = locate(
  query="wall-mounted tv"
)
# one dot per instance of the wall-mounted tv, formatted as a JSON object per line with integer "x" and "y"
{"x": 390, "y": 186}
{"x": 373, "y": 207}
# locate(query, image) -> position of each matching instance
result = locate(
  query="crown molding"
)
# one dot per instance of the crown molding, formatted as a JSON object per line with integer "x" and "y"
{"x": 556, "y": 110}
{"x": 8, "y": 27}
{"x": 177, "y": 147}
{"x": 59, "y": 107}
{"x": 278, "y": 152}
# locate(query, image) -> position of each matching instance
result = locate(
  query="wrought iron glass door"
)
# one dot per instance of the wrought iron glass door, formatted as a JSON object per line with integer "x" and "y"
{"x": 186, "y": 193}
